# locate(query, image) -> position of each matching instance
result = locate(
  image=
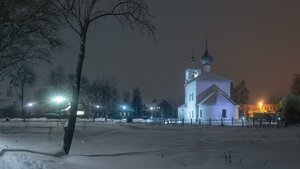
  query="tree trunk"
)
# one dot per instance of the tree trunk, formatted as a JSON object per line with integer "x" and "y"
{"x": 69, "y": 129}
{"x": 22, "y": 103}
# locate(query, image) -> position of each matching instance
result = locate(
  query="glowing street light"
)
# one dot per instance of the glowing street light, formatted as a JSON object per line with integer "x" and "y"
{"x": 59, "y": 99}
{"x": 260, "y": 104}
{"x": 124, "y": 107}
{"x": 29, "y": 105}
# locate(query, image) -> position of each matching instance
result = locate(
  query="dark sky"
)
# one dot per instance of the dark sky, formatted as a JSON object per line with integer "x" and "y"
{"x": 255, "y": 40}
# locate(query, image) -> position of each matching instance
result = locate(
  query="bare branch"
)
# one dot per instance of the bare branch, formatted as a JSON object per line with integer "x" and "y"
{"x": 64, "y": 14}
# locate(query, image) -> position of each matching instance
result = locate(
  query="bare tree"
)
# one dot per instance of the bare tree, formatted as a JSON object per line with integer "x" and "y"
{"x": 104, "y": 92}
{"x": 136, "y": 102}
{"x": 80, "y": 14}
{"x": 28, "y": 32}
{"x": 240, "y": 93}
{"x": 56, "y": 79}
{"x": 126, "y": 97}
{"x": 274, "y": 99}
{"x": 84, "y": 87}
{"x": 24, "y": 76}
{"x": 295, "y": 88}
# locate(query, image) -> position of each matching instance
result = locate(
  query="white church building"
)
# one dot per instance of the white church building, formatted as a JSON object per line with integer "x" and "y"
{"x": 207, "y": 95}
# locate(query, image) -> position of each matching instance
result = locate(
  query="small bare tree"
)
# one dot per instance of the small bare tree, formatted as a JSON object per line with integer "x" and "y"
{"x": 84, "y": 87}
{"x": 56, "y": 79}
{"x": 104, "y": 92}
{"x": 240, "y": 93}
{"x": 80, "y": 14}
{"x": 23, "y": 77}
{"x": 295, "y": 88}
{"x": 126, "y": 97}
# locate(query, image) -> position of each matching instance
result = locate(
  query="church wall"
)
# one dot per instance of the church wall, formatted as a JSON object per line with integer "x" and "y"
{"x": 214, "y": 112}
{"x": 190, "y": 100}
{"x": 225, "y": 86}
{"x": 181, "y": 112}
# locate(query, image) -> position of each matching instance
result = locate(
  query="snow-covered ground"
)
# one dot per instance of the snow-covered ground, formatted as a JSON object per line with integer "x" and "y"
{"x": 117, "y": 145}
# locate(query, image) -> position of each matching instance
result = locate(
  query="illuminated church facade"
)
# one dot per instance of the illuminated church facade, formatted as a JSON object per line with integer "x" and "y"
{"x": 207, "y": 95}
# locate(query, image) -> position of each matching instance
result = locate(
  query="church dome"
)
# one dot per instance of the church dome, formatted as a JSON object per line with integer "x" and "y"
{"x": 206, "y": 59}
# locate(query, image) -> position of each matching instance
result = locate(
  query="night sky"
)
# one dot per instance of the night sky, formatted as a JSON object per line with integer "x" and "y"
{"x": 255, "y": 40}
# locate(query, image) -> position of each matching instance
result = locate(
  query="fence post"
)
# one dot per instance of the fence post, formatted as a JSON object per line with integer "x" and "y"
{"x": 232, "y": 121}
{"x": 199, "y": 122}
{"x": 191, "y": 121}
{"x": 243, "y": 122}
{"x": 210, "y": 121}
{"x": 260, "y": 122}
{"x": 253, "y": 120}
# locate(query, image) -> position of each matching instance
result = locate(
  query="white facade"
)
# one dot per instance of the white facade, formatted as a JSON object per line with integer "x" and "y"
{"x": 207, "y": 95}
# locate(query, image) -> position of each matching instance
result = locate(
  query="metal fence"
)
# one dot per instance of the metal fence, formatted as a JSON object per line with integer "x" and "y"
{"x": 260, "y": 122}
{"x": 221, "y": 122}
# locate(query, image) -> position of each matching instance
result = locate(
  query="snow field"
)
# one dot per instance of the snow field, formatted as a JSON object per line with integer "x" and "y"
{"x": 145, "y": 146}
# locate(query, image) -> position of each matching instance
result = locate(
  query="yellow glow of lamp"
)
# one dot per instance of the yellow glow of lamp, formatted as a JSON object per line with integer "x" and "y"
{"x": 260, "y": 104}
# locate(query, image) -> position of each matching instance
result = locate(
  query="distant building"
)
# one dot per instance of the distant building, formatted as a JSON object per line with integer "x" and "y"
{"x": 166, "y": 110}
{"x": 207, "y": 95}
{"x": 250, "y": 110}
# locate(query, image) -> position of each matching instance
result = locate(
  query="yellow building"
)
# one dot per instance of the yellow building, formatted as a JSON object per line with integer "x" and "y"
{"x": 251, "y": 109}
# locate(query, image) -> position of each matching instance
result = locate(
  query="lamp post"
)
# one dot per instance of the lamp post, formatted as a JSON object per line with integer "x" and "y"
{"x": 152, "y": 108}
{"x": 59, "y": 100}
{"x": 260, "y": 104}
{"x": 124, "y": 108}
{"x": 29, "y": 105}
{"x": 96, "y": 113}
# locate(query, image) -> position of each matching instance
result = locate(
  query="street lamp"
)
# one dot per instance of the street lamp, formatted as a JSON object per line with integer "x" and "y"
{"x": 124, "y": 113}
{"x": 29, "y": 105}
{"x": 152, "y": 109}
{"x": 58, "y": 100}
{"x": 260, "y": 105}
{"x": 96, "y": 113}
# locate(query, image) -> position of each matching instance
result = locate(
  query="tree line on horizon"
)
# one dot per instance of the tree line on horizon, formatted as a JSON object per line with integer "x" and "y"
{"x": 289, "y": 105}
{"x": 102, "y": 92}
